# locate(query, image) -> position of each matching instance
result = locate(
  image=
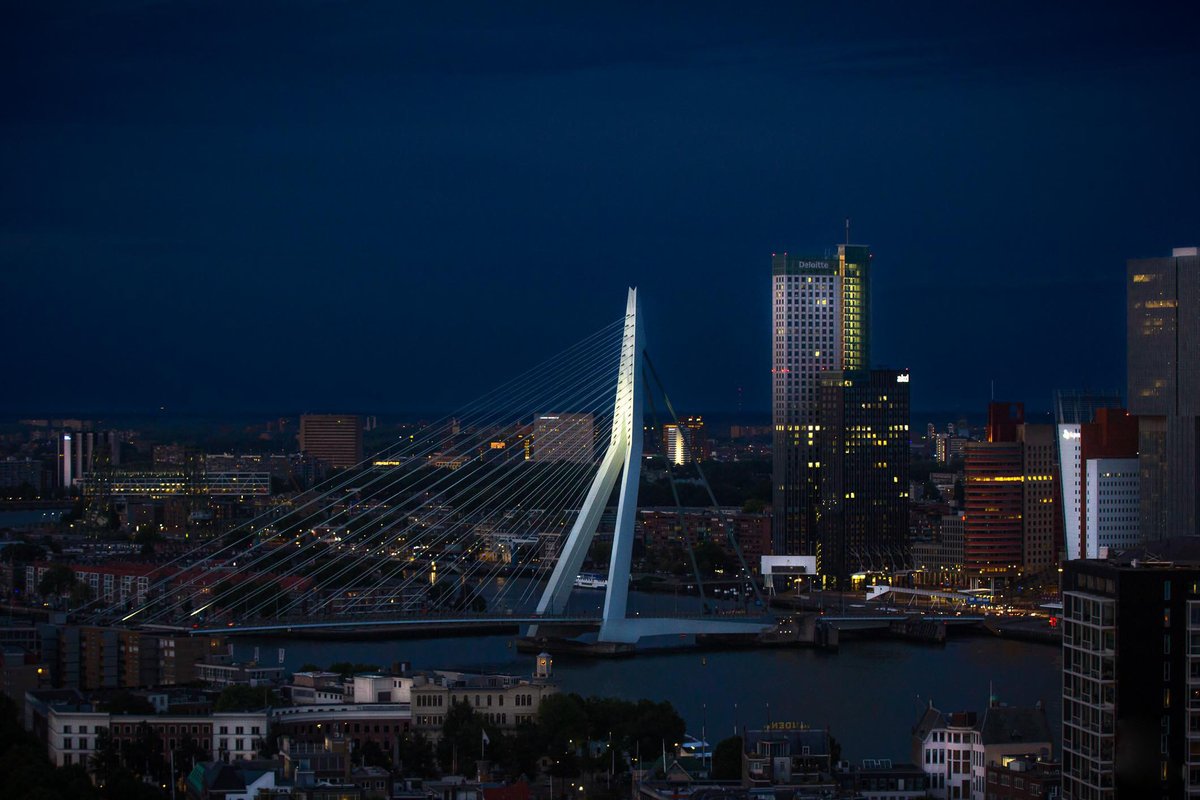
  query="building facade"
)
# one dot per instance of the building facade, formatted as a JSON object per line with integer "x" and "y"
{"x": 1130, "y": 669}
{"x": 564, "y": 437}
{"x": 820, "y": 315}
{"x": 862, "y": 521}
{"x": 335, "y": 439}
{"x": 505, "y": 701}
{"x": 954, "y": 749}
{"x": 994, "y": 502}
{"x": 1041, "y": 521}
{"x": 1163, "y": 371}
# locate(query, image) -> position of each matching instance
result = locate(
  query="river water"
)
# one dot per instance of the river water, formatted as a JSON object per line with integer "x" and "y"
{"x": 869, "y": 693}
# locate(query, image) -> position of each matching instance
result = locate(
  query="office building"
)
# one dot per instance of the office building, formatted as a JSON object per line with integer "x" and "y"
{"x": 1163, "y": 370}
{"x": 21, "y": 472}
{"x": 564, "y": 437}
{"x": 994, "y": 498}
{"x": 335, "y": 439}
{"x": 863, "y": 454}
{"x": 821, "y": 322}
{"x": 1080, "y": 407}
{"x": 1111, "y": 504}
{"x": 1129, "y": 723}
{"x": 1111, "y": 438}
{"x": 1011, "y": 497}
{"x": 1041, "y": 522}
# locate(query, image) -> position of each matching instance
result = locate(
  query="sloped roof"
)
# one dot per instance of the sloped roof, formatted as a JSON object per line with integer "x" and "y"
{"x": 1009, "y": 725}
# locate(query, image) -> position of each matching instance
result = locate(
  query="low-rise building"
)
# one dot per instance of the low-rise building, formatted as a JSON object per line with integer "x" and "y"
{"x": 955, "y": 748}
{"x": 1028, "y": 777}
{"x": 321, "y": 687}
{"x": 221, "y": 671}
{"x": 880, "y": 779}
{"x": 787, "y": 754}
{"x": 505, "y": 701}
{"x": 71, "y": 722}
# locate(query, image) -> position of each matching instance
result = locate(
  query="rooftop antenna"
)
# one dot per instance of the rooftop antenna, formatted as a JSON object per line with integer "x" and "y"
{"x": 847, "y": 230}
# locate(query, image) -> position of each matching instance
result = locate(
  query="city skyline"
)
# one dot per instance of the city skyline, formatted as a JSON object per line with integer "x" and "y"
{"x": 224, "y": 202}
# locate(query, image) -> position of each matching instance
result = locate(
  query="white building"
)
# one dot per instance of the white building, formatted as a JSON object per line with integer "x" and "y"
{"x": 1100, "y": 500}
{"x": 1070, "y": 470}
{"x": 954, "y": 749}
{"x": 70, "y": 726}
{"x": 1113, "y": 505}
{"x": 377, "y": 688}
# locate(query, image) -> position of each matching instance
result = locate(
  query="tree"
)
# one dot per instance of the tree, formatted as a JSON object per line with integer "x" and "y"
{"x": 22, "y": 551}
{"x": 562, "y": 718}
{"x": 144, "y": 755}
{"x": 81, "y": 595}
{"x": 416, "y": 756}
{"x": 462, "y": 738}
{"x": 56, "y": 581}
{"x": 245, "y": 698}
{"x": 727, "y": 759}
{"x": 105, "y": 762}
{"x": 656, "y": 723}
{"x": 372, "y": 755}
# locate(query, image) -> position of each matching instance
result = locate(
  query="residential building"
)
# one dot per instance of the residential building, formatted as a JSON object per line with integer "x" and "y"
{"x": 880, "y": 779}
{"x": 821, "y": 313}
{"x": 863, "y": 457}
{"x": 1129, "y": 625}
{"x": 335, "y": 439}
{"x": 94, "y": 657}
{"x": 785, "y": 754}
{"x": 955, "y": 748}
{"x": 70, "y": 722}
{"x": 1028, "y": 777}
{"x": 1163, "y": 371}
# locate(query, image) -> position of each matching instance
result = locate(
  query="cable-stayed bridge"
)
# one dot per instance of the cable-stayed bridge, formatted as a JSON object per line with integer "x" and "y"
{"x": 486, "y": 516}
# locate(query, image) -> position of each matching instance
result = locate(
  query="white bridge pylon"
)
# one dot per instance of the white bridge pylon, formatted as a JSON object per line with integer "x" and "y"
{"x": 623, "y": 458}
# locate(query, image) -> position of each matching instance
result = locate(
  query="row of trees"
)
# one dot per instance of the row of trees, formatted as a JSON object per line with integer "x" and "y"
{"x": 28, "y": 774}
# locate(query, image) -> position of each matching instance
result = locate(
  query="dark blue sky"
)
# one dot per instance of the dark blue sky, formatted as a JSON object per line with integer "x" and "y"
{"x": 386, "y": 206}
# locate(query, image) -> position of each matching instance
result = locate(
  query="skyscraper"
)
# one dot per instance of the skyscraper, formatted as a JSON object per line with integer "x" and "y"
{"x": 821, "y": 313}
{"x": 335, "y": 439}
{"x": 1163, "y": 338}
{"x": 864, "y": 444}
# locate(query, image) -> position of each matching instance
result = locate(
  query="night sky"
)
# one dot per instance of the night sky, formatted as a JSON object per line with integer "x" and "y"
{"x": 393, "y": 206}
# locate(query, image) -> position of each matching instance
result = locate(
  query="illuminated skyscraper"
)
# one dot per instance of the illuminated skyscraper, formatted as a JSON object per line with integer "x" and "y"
{"x": 686, "y": 441}
{"x": 821, "y": 322}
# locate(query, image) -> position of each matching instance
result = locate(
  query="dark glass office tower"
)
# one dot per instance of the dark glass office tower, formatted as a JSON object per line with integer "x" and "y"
{"x": 1163, "y": 337}
{"x": 864, "y": 442}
